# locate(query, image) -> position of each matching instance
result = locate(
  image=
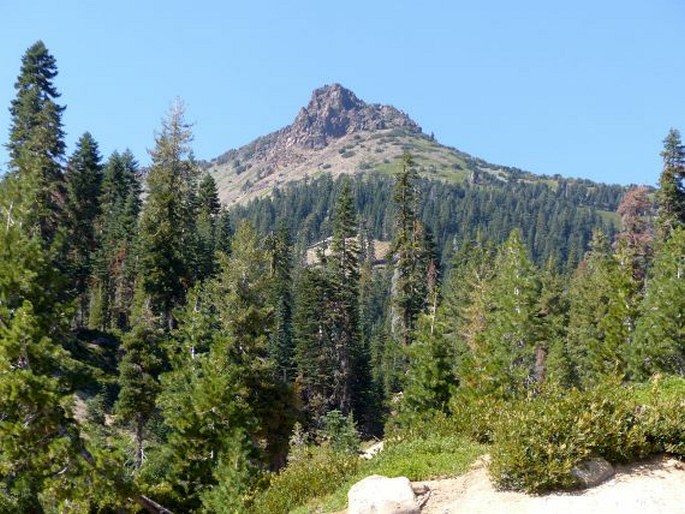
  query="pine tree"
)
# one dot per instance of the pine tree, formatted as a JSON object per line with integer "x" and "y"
{"x": 138, "y": 379}
{"x": 208, "y": 208}
{"x": 589, "y": 300}
{"x": 83, "y": 178}
{"x": 281, "y": 339}
{"x": 506, "y": 361}
{"x": 35, "y": 436}
{"x": 407, "y": 287}
{"x": 116, "y": 231}
{"x": 431, "y": 378}
{"x": 167, "y": 240}
{"x": 36, "y": 142}
{"x": 618, "y": 324}
{"x": 466, "y": 305}
{"x": 344, "y": 311}
{"x": 671, "y": 193}
{"x": 222, "y": 385}
{"x": 659, "y": 341}
{"x": 553, "y": 361}
{"x": 241, "y": 295}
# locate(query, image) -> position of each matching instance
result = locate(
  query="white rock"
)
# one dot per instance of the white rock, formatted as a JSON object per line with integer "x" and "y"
{"x": 381, "y": 495}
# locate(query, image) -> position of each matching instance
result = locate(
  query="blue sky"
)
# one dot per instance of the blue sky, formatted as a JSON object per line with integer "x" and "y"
{"x": 587, "y": 88}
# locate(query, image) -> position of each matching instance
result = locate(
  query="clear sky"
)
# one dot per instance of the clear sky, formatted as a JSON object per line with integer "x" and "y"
{"x": 585, "y": 88}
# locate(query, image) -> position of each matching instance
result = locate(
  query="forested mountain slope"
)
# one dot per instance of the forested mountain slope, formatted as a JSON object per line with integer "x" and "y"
{"x": 294, "y": 174}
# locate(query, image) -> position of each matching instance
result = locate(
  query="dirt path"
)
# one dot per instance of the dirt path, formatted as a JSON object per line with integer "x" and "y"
{"x": 655, "y": 486}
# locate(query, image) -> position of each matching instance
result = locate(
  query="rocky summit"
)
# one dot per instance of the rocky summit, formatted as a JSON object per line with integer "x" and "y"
{"x": 335, "y": 112}
{"x": 335, "y": 133}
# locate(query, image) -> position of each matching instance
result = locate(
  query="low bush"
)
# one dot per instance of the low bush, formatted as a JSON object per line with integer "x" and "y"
{"x": 476, "y": 416}
{"x": 320, "y": 473}
{"x": 538, "y": 441}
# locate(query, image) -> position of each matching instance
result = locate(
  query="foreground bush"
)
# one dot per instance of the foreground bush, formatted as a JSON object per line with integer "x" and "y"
{"x": 539, "y": 441}
{"x": 319, "y": 473}
{"x": 319, "y": 478}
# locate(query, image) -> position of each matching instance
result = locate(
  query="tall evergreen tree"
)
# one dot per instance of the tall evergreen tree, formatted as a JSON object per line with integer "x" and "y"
{"x": 36, "y": 141}
{"x": 83, "y": 179}
{"x": 553, "y": 361}
{"x": 505, "y": 363}
{"x": 35, "y": 420}
{"x": 346, "y": 337}
{"x": 313, "y": 345}
{"x": 116, "y": 231}
{"x": 167, "y": 242}
{"x": 671, "y": 193}
{"x": 138, "y": 379}
{"x": 589, "y": 299}
{"x": 659, "y": 341}
{"x": 208, "y": 208}
{"x": 618, "y": 324}
{"x": 408, "y": 299}
{"x": 281, "y": 339}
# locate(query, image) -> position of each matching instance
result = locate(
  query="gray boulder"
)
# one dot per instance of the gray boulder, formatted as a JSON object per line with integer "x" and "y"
{"x": 592, "y": 472}
{"x": 381, "y": 495}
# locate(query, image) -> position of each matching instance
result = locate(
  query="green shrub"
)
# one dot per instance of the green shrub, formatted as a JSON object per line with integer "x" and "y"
{"x": 319, "y": 474}
{"x": 538, "y": 441}
{"x": 476, "y": 416}
{"x": 340, "y": 432}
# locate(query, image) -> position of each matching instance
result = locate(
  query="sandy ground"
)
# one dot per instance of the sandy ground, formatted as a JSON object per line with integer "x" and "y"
{"x": 655, "y": 486}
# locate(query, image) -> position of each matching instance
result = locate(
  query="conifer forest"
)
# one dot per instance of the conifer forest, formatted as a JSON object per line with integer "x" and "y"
{"x": 160, "y": 352}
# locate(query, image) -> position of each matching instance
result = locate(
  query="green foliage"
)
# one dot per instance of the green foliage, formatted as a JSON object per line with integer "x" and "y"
{"x": 112, "y": 279}
{"x": 430, "y": 451}
{"x": 83, "y": 178}
{"x": 659, "y": 342}
{"x": 502, "y": 358}
{"x": 589, "y": 299}
{"x": 671, "y": 193}
{"x": 557, "y": 221}
{"x": 138, "y": 378}
{"x": 431, "y": 378}
{"x": 340, "y": 432}
{"x": 476, "y": 416}
{"x": 281, "y": 339}
{"x": 319, "y": 474}
{"x": 538, "y": 441}
{"x": 166, "y": 245}
{"x": 36, "y": 142}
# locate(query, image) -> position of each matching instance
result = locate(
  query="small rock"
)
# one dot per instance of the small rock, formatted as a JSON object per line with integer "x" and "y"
{"x": 381, "y": 495}
{"x": 592, "y": 472}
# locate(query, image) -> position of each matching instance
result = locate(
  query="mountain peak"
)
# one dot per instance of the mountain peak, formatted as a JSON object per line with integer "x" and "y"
{"x": 335, "y": 96}
{"x": 334, "y": 112}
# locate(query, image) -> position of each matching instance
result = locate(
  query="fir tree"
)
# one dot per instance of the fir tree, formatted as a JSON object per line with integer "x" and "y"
{"x": 36, "y": 142}
{"x": 138, "y": 379}
{"x": 407, "y": 294}
{"x": 346, "y": 338}
{"x": 659, "y": 341}
{"x": 281, "y": 339}
{"x": 506, "y": 360}
{"x": 314, "y": 350}
{"x": 208, "y": 208}
{"x": 116, "y": 231}
{"x": 83, "y": 178}
{"x": 36, "y": 439}
{"x": 671, "y": 193}
{"x": 167, "y": 240}
{"x": 431, "y": 379}
{"x": 589, "y": 299}
{"x": 553, "y": 361}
